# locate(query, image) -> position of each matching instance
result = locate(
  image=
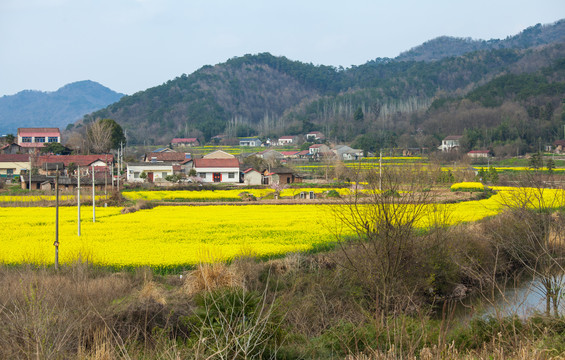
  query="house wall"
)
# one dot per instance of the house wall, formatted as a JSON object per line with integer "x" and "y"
{"x": 253, "y": 178}
{"x": 15, "y": 167}
{"x": 159, "y": 172}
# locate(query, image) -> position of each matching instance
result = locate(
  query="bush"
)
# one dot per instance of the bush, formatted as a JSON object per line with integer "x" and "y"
{"x": 468, "y": 186}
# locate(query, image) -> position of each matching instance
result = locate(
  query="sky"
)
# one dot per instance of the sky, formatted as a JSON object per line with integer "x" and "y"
{"x": 132, "y": 45}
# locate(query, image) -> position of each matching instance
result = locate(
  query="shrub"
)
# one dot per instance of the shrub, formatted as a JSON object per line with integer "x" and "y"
{"x": 468, "y": 186}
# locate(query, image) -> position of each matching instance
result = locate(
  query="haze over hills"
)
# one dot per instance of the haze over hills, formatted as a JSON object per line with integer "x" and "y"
{"x": 59, "y": 108}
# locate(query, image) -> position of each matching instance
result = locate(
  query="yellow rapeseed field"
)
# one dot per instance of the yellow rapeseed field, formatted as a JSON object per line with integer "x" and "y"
{"x": 171, "y": 237}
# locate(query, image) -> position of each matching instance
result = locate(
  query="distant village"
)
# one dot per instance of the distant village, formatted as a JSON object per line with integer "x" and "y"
{"x": 23, "y": 160}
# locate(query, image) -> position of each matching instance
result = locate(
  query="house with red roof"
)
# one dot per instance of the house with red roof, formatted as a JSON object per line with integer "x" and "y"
{"x": 35, "y": 138}
{"x": 252, "y": 177}
{"x": 286, "y": 140}
{"x": 170, "y": 157}
{"x": 217, "y": 170}
{"x": 12, "y": 165}
{"x": 101, "y": 163}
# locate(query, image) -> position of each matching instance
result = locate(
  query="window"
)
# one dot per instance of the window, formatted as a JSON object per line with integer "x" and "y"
{"x": 26, "y": 139}
{"x": 231, "y": 175}
{"x": 136, "y": 174}
{"x": 40, "y": 139}
{"x": 203, "y": 175}
{"x": 9, "y": 171}
{"x": 164, "y": 175}
{"x": 52, "y": 139}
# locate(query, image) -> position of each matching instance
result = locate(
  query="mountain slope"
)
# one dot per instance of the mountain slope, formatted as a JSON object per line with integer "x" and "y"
{"x": 445, "y": 46}
{"x": 267, "y": 95}
{"x": 53, "y": 109}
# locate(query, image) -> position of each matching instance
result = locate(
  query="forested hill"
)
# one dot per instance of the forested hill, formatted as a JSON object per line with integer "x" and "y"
{"x": 53, "y": 109}
{"x": 446, "y": 46}
{"x": 268, "y": 96}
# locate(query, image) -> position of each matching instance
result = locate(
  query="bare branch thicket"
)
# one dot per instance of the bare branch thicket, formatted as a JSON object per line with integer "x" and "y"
{"x": 99, "y": 137}
{"x": 383, "y": 218}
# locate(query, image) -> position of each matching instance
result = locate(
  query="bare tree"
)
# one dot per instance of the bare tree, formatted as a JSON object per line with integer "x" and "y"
{"x": 383, "y": 216}
{"x": 99, "y": 137}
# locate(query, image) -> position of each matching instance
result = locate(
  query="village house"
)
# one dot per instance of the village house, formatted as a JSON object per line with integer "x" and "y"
{"x": 218, "y": 154}
{"x": 153, "y": 171}
{"x": 170, "y": 157}
{"x": 252, "y": 177}
{"x": 270, "y": 155}
{"x": 12, "y": 165}
{"x": 67, "y": 164}
{"x": 290, "y": 154}
{"x": 316, "y": 149}
{"x": 559, "y": 146}
{"x": 33, "y": 139}
{"x": 286, "y": 140}
{"x": 344, "y": 152}
{"x": 217, "y": 170}
{"x": 44, "y": 182}
{"x": 315, "y": 136}
{"x": 253, "y": 142}
{"x": 478, "y": 154}
{"x": 450, "y": 143}
{"x": 280, "y": 176}
{"x": 11, "y": 149}
{"x": 185, "y": 142}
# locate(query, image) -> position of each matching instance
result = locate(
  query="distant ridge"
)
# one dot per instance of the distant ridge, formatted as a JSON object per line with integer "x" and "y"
{"x": 446, "y": 46}
{"x": 30, "y": 108}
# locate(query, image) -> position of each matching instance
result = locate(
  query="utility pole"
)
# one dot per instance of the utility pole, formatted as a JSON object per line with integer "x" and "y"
{"x": 29, "y": 174}
{"x": 381, "y": 171}
{"x": 56, "y": 243}
{"x": 78, "y": 200}
{"x": 93, "y": 198}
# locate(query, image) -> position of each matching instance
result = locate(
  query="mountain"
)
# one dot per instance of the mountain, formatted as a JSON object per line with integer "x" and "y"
{"x": 446, "y": 46}
{"x": 53, "y": 109}
{"x": 401, "y": 100}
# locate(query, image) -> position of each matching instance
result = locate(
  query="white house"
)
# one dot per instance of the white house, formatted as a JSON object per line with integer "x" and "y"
{"x": 155, "y": 171}
{"x": 217, "y": 170}
{"x": 315, "y": 135}
{"x": 318, "y": 148}
{"x": 286, "y": 140}
{"x": 450, "y": 143}
{"x": 344, "y": 152}
{"x": 250, "y": 142}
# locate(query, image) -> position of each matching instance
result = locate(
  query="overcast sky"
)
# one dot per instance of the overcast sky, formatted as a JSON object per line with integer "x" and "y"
{"x": 131, "y": 45}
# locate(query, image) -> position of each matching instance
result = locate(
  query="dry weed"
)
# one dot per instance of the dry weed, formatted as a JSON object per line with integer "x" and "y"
{"x": 207, "y": 277}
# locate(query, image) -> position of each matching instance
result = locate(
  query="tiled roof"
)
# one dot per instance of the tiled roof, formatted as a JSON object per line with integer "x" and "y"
{"x": 183, "y": 140}
{"x": 216, "y": 163}
{"x": 166, "y": 156}
{"x": 39, "y": 132}
{"x": 79, "y": 160}
{"x": 14, "y": 157}
{"x": 453, "y": 137}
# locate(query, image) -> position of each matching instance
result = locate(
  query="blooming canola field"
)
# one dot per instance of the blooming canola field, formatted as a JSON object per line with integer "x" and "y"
{"x": 169, "y": 237}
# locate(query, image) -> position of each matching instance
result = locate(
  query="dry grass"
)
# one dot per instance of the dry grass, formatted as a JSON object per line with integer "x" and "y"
{"x": 207, "y": 277}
